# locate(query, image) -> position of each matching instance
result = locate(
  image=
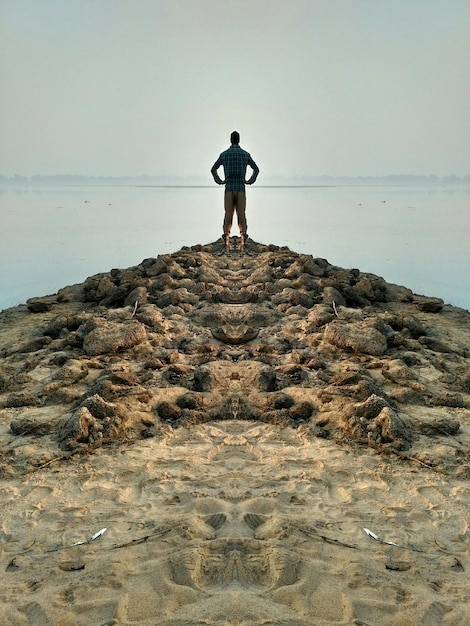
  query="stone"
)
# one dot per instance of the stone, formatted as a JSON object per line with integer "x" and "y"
{"x": 111, "y": 337}
{"x": 39, "y": 305}
{"x": 442, "y": 426}
{"x": 360, "y": 337}
{"x": 80, "y": 428}
{"x": 430, "y": 305}
{"x": 449, "y": 398}
{"x": 393, "y": 429}
{"x": 169, "y": 411}
{"x": 22, "y": 398}
{"x": 30, "y": 426}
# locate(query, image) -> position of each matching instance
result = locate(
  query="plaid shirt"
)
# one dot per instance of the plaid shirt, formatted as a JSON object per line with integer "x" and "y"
{"x": 235, "y": 161}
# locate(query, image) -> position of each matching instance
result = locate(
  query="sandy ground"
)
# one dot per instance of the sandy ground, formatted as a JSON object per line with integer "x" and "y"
{"x": 240, "y": 455}
{"x": 234, "y": 523}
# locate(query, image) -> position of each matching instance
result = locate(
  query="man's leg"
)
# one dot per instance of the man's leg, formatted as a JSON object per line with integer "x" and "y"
{"x": 241, "y": 215}
{"x": 229, "y": 206}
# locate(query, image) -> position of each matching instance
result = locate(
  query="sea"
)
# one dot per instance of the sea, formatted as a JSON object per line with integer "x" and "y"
{"x": 51, "y": 237}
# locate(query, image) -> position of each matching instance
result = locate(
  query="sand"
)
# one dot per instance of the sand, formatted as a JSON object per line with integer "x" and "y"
{"x": 230, "y": 521}
{"x": 234, "y": 523}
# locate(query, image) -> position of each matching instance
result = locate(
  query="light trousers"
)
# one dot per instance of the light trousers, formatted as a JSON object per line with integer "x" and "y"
{"x": 235, "y": 201}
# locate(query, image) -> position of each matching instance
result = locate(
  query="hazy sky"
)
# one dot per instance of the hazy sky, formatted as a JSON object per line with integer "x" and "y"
{"x": 338, "y": 87}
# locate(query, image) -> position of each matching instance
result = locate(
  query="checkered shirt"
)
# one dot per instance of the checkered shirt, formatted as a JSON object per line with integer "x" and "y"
{"x": 235, "y": 161}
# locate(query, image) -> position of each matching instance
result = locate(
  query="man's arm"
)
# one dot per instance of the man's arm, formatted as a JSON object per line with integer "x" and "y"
{"x": 214, "y": 169}
{"x": 255, "y": 169}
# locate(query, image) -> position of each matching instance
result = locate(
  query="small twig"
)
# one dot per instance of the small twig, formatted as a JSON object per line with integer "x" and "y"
{"x": 57, "y": 458}
{"x": 314, "y": 534}
{"x": 334, "y": 308}
{"x": 134, "y": 542}
{"x": 135, "y": 308}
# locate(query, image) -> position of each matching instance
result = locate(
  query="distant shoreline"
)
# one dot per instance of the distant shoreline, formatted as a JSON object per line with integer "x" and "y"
{"x": 437, "y": 186}
{"x": 196, "y": 182}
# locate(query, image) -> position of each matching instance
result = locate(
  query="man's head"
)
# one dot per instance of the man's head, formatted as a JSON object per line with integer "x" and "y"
{"x": 235, "y": 138}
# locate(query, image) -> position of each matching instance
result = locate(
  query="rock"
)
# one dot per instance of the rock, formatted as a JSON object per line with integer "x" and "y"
{"x": 371, "y": 407}
{"x": 430, "y": 305}
{"x": 307, "y": 282}
{"x": 393, "y": 429}
{"x": 320, "y": 315}
{"x": 330, "y": 295}
{"x": 171, "y": 298}
{"x": 72, "y": 293}
{"x": 39, "y": 305}
{"x": 268, "y": 380}
{"x": 22, "y": 398}
{"x": 443, "y": 426}
{"x": 314, "y": 267}
{"x": 449, "y": 398}
{"x": 283, "y": 401}
{"x": 38, "y": 343}
{"x": 436, "y": 345}
{"x": 398, "y": 293}
{"x": 121, "y": 375}
{"x": 29, "y": 426}
{"x": 151, "y": 316}
{"x": 139, "y": 295}
{"x": 81, "y": 428}
{"x": 162, "y": 283}
{"x": 303, "y": 299}
{"x": 72, "y": 372}
{"x": 398, "y": 372}
{"x": 5, "y": 381}
{"x": 110, "y": 337}
{"x": 65, "y": 323}
{"x": 373, "y": 288}
{"x": 202, "y": 380}
{"x": 181, "y": 375}
{"x": 234, "y": 335}
{"x": 169, "y": 411}
{"x": 347, "y": 376}
{"x": 102, "y": 409}
{"x": 302, "y": 411}
{"x": 187, "y": 401}
{"x": 94, "y": 421}
{"x": 465, "y": 382}
{"x": 155, "y": 267}
{"x": 360, "y": 337}
{"x": 173, "y": 311}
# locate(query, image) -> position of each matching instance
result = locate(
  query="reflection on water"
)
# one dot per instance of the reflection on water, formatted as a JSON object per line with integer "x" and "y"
{"x": 50, "y": 238}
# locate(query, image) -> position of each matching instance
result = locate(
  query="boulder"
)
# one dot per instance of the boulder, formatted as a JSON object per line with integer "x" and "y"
{"x": 81, "y": 428}
{"x": 111, "y": 337}
{"x": 358, "y": 337}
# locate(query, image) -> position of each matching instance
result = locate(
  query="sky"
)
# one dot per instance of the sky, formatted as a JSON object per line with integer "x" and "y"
{"x": 155, "y": 87}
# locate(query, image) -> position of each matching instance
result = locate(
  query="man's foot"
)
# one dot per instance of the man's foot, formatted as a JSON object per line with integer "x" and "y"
{"x": 226, "y": 239}
{"x": 243, "y": 239}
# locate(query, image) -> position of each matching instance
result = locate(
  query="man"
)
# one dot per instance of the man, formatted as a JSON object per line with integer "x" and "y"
{"x": 235, "y": 161}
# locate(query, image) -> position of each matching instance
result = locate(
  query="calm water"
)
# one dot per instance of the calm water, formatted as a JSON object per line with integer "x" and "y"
{"x": 50, "y": 238}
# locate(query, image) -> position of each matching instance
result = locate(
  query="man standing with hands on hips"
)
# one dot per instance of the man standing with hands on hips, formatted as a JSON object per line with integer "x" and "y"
{"x": 235, "y": 161}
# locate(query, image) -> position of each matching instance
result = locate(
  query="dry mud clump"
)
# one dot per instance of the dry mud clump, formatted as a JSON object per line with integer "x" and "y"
{"x": 270, "y": 336}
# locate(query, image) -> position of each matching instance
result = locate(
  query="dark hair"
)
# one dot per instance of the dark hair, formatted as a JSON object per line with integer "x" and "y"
{"x": 235, "y": 138}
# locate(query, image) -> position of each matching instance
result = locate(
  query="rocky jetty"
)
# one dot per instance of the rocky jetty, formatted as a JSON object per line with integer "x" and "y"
{"x": 269, "y": 335}
{"x": 238, "y": 440}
